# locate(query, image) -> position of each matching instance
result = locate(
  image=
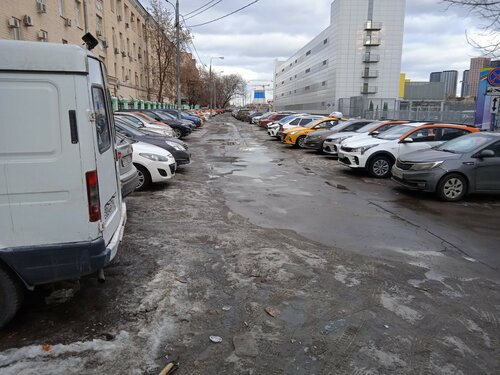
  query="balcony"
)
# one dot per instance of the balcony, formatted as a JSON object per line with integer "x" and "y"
{"x": 369, "y": 73}
{"x": 371, "y": 58}
{"x": 373, "y": 26}
{"x": 372, "y": 41}
{"x": 368, "y": 89}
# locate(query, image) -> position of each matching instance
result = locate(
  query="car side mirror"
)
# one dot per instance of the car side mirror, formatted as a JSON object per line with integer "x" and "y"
{"x": 375, "y": 132}
{"x": 487, "y": 154}
{"x": 407, "y": 140}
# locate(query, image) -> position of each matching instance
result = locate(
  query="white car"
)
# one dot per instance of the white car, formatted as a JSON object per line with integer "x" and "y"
{"x": 139, "y": 121}
{"x": 332, "y": 143}
{"x": 153, "y": 164}
{"x": 377, "y": 154}
{"x": 276, "y": 126}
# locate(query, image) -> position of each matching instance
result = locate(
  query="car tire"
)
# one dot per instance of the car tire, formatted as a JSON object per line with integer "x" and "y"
{"x": 380, "y": 166}
{"x": 452, "y": 188}
{"x": 11, "y": 296}
{"x": 300, "y": 141}
{"x": 144, "y": 178}
{"x": 177, "y": 133}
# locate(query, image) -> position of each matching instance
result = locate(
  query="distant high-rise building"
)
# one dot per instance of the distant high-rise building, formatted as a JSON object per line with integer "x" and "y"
{"x": 435, "y": 77}
{"x": 495, "y": 64}
{"x": 450, "y": 79}
{"x": 476, "y": 64}
{"x": 465, "y": 84}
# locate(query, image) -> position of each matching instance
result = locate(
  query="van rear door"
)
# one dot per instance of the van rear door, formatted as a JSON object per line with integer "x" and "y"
{"x": 40, "y": 160}
{"x": 106, "y": 168}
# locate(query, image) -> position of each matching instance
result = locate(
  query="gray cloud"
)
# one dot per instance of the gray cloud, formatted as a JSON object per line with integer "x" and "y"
{"x": 251, "y": 40}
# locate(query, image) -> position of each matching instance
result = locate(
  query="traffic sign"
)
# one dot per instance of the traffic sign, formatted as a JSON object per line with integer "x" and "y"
{"x": 493, "y": 91}
{"x": 494, "y": 77}
{"x": 495, "y": 104}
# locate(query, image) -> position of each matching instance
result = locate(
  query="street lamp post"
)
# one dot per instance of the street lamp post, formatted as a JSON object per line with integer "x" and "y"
{"x": 178, "y": 56}
{"x": 210, "y": 94}
{"x": 215, "y": 91}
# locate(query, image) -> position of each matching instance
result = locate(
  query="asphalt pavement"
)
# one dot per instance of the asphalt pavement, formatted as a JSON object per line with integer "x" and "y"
{"x": 297, "y": 264}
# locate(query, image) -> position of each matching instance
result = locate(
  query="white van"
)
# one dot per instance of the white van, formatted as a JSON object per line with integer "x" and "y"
{"x": 61, "y": 211}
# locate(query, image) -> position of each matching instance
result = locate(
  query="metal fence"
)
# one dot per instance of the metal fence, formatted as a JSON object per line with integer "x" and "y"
{"x": 461, "y": 117}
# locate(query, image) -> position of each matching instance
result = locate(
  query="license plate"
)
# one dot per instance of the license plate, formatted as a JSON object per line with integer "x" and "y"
{"x": 398, "y": 173}
{"x": 341, "y": 155}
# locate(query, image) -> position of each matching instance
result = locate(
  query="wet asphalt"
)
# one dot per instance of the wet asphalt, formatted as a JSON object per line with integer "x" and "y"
{"x": 299, "y": 265}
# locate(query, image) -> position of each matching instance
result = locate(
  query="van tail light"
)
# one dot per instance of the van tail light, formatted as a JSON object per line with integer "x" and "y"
{"x": 93, "y": 196}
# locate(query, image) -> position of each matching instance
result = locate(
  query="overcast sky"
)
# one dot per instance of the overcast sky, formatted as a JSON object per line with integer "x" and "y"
{"x": 252, "y": 39}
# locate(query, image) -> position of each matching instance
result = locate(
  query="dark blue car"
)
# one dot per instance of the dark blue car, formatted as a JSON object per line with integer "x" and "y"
{"x": 184, "y": 116}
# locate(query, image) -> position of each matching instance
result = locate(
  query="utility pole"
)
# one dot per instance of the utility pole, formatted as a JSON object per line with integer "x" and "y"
{"x": 178, "y": 47}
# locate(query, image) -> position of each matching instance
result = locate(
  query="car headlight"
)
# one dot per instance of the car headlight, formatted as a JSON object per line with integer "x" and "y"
{"x": 363, "y": 149}
{"x": 154, "y": 157}
{"x": 425, "y": 166}
{"x": 340, "y": 139}
{"x": 175, "y": 145}
{"x": 294, "y": 132}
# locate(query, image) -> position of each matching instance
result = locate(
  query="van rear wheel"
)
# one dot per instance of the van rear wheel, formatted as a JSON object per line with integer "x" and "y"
{"x": 144, "y": 178}
{"x": 11, "y": 296}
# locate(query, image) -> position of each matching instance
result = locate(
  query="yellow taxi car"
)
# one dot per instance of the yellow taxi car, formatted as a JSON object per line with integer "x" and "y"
{"x": 296, "y": 136}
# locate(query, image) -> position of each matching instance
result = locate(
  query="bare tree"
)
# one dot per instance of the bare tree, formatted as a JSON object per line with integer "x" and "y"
{"x": 488, "y": 41}
{"x": 228, "y": 87}
{"x": 161, "y": 38}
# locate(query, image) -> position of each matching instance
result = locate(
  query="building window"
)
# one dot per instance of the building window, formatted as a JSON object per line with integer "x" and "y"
{"x": 98, "y": 5}
{"x": 98, "y": 26}
{"x": 308, "y": 53}
{"x": 307, "y": 88}
{"x": 323, "y": 83}
{"x": 139, "y": 53}
{"x": 136, "y": 80}
{"x": 282, "y": 70}
{"x": 308, "y": 70}
{"x": 282, "y": 94}
{"x": 113, "y": 37}
{"x": 295, "y": 61}
{"x": 115, "y": 71}
{"x": 119, "y": 8}
{"x": 133, "y": 50}
{"x": 123, "y": 73}
{"x": 324, "y": 62}
{"x": 78, "y": 13}
{"x": 295, "y": 91}
{"x": 139, "y": 27}
{"x": 295, "y": 76}
{"x": 60, "y": 7}
{"x": 325, "y": 41}
{"x": 122, "y": 47}
{"x": 128, "y": 46}
{"x": 16, "y": 31}
{"x": 290, "y": 78}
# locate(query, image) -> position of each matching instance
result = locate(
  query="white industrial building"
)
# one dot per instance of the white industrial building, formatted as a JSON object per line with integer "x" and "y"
{"x": 352, "y": 66}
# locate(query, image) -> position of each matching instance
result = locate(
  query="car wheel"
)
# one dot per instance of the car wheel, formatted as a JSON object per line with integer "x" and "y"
{"x": 144, "y": 178}
{"x": 300, "y": 143}
{"x": 452, "y": 188}
{"x": 11, "y": 296}
{"x": 177, "y": 133}
{"x": 380, "y": 167}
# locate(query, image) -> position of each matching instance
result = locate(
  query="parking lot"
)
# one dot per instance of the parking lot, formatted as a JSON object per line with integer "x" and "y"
{"x": 298, "y": 264}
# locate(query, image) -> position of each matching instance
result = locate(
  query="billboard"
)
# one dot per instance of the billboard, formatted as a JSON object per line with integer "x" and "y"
{"x": 259, "y": 94}
{"x": 485, "y": 120}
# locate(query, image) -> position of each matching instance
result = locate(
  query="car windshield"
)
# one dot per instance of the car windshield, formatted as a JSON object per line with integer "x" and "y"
{"x": 368, "y": 127}
{"x": 317, "y": 122}
{"x": 169, "y": 116}
{"x": 122, "y": 126}
{"x": 161, "y": 116}
{"x": 132, "y": 121}
{"x": 286, "y": 119}
{"x": 185, "y": 114}
{"x": 464, "y": 144}
{"x": 146, "y": 117}
{"x": 395, "y": 132}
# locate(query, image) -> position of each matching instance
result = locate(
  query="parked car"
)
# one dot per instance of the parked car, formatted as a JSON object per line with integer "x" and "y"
{"x": 465, "y": 165}
{"x": 172, "y": 117}
{"x": 332, "y": 142}
{"x": 275, "y": 129}
{"x": 129, "y": 177}
{"x": 153, "y": 163}
{"x": 251, "y": 115}
{"x": 378, "y": 154}
{"x": 184, "y": 116}
{"x": 314, "y": 141}
{"x": 240, "y": 113}
{"x": 62, "y": 213}
{"x": 180, "y": 130}
{"x": 256, "y": 119}
{"x": 296, "y": 136}
{"x": 276, "y": 117}
{"x": 141, "y": 122}
{"x": 181, "y": 154}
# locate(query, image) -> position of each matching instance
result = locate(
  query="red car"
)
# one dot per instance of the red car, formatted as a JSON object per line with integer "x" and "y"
{"x": 273, "y": 118}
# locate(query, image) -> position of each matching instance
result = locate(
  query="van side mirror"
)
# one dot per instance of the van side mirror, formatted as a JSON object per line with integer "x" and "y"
{"x": 407, "y": 140}
{"x": 486, "y": 154}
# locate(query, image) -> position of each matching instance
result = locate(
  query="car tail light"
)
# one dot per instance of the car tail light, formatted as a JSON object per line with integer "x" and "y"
{"x": 93, "y": 196}
{"x": 118, "y": 154}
